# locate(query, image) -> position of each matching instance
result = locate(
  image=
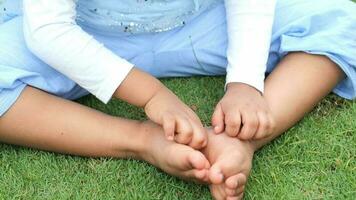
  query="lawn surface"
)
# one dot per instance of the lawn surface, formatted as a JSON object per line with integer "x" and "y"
{"x": 314, "y": 160}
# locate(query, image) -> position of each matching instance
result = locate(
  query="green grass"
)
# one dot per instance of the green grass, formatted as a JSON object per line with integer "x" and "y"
{"x": 314, "y": 160}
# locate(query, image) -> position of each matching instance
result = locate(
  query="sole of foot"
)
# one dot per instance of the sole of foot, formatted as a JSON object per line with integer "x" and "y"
{"x": 173, "y": 158}
{"x": 231, "y": 162}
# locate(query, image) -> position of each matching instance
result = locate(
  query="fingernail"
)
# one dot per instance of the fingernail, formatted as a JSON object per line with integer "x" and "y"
{"x": 170, "y": 138}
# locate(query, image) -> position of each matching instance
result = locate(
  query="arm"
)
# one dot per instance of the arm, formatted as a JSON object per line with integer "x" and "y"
{"x": 249, "y": 24}
{"x": 52, "y": 34}
{"x": 243, "y": 111}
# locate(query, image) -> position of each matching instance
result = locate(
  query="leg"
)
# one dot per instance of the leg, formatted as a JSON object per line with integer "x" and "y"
{"x": 42, "y": 121}
{"x": 298, "y": 73}
{"x": 46, "y": 122}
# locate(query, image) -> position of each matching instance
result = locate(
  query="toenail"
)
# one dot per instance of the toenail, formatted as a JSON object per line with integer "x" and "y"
{"x": 222, "y": 176}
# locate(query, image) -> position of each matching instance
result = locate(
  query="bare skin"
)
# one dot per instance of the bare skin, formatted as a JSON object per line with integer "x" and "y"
{"x": 298, "y": 83}
{"x": 231, "y": 161}
{"x": 243, "y": 112}
{"x": 163, "y": 107}
{"x": 43, "y": 121}
{"x": 188, "y": 163}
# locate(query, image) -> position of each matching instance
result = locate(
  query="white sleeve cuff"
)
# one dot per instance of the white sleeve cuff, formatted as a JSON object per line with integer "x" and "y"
{"x": 249, "y": 27}
{"x": 113, "y": 80}
{"x": 255, "y": 80}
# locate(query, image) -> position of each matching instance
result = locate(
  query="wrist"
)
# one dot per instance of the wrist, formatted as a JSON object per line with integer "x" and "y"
{"x": 138, "y": 88}
{"x": 155, "y": 95}
{"x": 241, "y": 87}
{"x": 161, "y": 93}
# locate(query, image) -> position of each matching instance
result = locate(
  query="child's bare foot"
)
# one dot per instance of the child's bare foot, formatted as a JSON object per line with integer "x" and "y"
{"x": 231, "y": 161}
{"x": 173, "y": 158}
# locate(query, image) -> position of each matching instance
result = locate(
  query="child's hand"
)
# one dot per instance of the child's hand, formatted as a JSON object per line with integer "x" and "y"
{"x": 243, "y": 112}
{"x": 179, "y": 122}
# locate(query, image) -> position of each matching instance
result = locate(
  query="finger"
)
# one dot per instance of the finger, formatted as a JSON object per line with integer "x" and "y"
{"x": 200, "y": 137}
{"x": 263, "y": 127}
{"x": 169, "y": 127}
{"x": 249, "y": 127}
{"x": 199, "y": 132}
{"x": 184, "y": 131}
{"x": 233, "y": 123}
{"x": 217, "y": 120}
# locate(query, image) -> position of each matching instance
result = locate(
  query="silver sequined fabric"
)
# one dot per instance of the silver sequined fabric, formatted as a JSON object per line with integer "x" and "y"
{"x": 126, "y": 16}
{"x": 139, "y": 16}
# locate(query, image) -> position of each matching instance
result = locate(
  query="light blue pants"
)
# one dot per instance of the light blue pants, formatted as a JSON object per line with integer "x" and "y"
{"x": 325, "y": 27}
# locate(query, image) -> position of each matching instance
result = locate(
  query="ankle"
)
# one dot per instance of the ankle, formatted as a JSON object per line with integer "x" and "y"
{"x": 254, "y": 146}
{"x": 258, "y": 144}
{"x": 143, "y": 146}
{"x": 132, "y": 144}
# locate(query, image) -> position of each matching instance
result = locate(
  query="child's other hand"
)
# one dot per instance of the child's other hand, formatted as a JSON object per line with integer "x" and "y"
{"x": 243, "y": 113}
{"x": 179, "y": 122}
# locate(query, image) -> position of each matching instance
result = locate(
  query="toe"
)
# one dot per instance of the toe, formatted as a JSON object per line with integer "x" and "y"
{"x": 232, "y": 198}
{"x": 215, "y": 174}
{"x": 185, "y": 162}
{"x": 198, "y": 161}
{"x": 240, "y": 190}
{"x": 235, "y": 181}
{"x": 217, "y": 191}
{"x": 197, "y": 176}
{"x": 236, "y": 192}
{"x": 224, "y": 168}
{"x": 202, "y": 175}
{"x": 230, "y": 192}
{"x": 235, "y": 185}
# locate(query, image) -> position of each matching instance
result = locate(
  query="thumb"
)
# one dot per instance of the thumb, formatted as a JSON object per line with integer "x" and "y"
{"x": 217, "y": 120}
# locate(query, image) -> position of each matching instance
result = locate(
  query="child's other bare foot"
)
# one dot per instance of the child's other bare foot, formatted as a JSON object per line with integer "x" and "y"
{"x": 231, "y": 161}
{"x": 173, "y": 158}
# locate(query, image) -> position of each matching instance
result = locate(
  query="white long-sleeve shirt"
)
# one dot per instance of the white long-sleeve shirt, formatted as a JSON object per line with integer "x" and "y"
{"x": 249, "y": 28}
{"x": 52, "y": 34}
